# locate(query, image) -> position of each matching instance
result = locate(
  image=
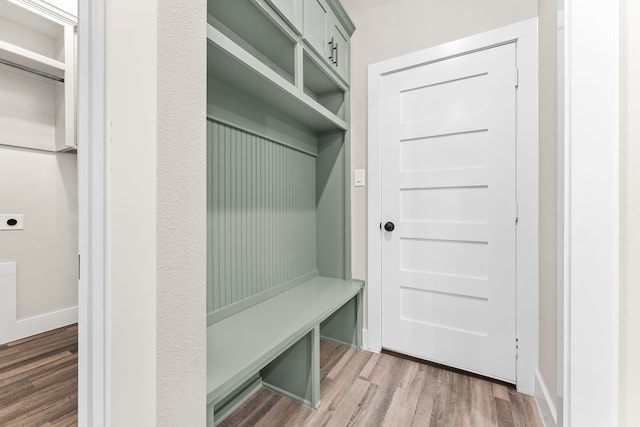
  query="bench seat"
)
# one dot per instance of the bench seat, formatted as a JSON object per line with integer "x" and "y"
{"x": 241, "y": 345}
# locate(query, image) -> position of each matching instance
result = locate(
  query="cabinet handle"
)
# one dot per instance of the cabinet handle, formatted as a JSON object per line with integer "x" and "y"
{"x": 332, "y": 49}
{"x": 335, "y": 56}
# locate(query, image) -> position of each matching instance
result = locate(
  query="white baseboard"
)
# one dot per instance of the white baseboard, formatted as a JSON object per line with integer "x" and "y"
{"x": 366, "y": 343}
{"x": 45, "y": 322}
{"x": 11, "y": 328}
{"x": 545, "y": 404}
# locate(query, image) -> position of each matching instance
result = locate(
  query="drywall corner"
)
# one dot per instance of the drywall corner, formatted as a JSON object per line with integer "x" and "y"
{"x": 181, "y": 213}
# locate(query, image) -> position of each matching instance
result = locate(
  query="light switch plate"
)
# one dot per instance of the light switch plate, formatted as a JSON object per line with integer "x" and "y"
{"x": 359, "y": 179}
{"x": 6, "y": 218}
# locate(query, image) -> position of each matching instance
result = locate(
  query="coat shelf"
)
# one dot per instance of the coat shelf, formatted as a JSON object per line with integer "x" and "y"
{"x": 233, "y": 65}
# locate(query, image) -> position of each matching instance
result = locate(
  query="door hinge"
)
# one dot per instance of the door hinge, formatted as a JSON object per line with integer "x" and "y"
{"x": 517, "y": 215}
{"x": 78, "y": 266}
{"x": 517, "y": 348}
{"x": 517, "y": 78}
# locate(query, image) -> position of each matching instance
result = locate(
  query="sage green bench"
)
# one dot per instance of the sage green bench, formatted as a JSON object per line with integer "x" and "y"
{"x": 276, "y": 343}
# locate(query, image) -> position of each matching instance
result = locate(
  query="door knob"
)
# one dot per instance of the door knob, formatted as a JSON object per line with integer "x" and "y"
{"x": 389, "y": 226}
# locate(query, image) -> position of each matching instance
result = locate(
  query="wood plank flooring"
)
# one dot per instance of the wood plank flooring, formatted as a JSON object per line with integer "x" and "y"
{"x": 39, "y": 387}
{"x": 360, "y": 388}
{"x": 39, "y": 380}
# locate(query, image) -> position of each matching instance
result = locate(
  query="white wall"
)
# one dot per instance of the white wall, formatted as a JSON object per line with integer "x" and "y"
{"x": 156, "y": 212}
{"x": 548, "y": 128}
{"x": 630, "y": 215}
{"x": 42, "y": 186}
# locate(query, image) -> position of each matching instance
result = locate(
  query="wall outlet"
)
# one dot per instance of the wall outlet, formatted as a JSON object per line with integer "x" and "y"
{"x": 359, "y": 180}
{"x": 11, "y": 222}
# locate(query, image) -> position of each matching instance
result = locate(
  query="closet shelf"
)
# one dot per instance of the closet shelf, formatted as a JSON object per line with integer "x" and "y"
{"x": 232, "y": 64}
{"x": 30, "y": 59}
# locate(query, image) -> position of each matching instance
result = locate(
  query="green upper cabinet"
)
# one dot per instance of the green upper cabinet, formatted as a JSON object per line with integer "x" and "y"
{"x": 325, "y": 32}
{"x": 339, "y": 45}
{"x": 291, "y": 11}
{"x": 316, "y": 24}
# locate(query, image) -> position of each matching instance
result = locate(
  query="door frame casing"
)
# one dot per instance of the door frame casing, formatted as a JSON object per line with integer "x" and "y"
{"x": 589, "y": 226}
{"x": 93, "y": 296}
{"x": 525, "y": 34}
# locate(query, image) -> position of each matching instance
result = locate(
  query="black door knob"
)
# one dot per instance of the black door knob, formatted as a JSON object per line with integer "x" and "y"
{"x": 389, "y": 226}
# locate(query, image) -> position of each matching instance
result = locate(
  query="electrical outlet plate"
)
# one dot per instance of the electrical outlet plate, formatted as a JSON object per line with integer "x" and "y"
{"x": 4, "y": 219}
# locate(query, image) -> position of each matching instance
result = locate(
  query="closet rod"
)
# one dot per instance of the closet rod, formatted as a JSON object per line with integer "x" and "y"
{"x": 31, "y": 70}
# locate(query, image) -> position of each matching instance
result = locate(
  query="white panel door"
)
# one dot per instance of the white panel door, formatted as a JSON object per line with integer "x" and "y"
{"x": 448, "y": 187}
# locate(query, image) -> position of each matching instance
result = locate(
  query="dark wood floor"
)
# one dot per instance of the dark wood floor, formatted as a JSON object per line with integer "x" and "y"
{"x": 39, "y": 380}
{"x": 359, "y": 388}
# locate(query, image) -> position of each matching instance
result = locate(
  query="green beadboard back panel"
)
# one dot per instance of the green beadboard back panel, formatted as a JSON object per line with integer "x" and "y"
{"x": 261, "y": 216}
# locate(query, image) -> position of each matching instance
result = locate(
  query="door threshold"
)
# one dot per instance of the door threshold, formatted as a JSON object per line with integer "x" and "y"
{"x": 447, "y": 368}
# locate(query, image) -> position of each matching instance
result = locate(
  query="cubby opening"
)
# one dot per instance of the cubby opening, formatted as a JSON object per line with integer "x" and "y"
{"x": 263, "y": 38}
{"x": 34, "y": 33}
{"x": 321, "y": 87}
{"x": 234, "y": 67}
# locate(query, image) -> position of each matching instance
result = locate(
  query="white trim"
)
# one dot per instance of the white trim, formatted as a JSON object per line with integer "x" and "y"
{"x": 93, "y": 303}
{"x": 525, "y": 33}
{"x": 591, "y": 164}
{"x": 562, "y": 215}
{"x": 365, "y": 338}
{"x": 545, "y": 403}
{"x": 12, "y": 328}
{"x": 46, "y": 322}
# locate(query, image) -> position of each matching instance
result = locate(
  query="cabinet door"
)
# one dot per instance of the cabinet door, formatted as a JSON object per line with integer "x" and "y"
{"x": 316, "y": 16}
{"x": 339, "y": 39}
{"x": 291, "y": 11}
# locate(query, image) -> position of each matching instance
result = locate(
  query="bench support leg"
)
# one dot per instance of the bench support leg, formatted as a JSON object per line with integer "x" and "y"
{"x": 359, "y": 319}
{"x": 315, "y": 368}
{"x": 210, "y": 417}
{"x": 296, "y": 372}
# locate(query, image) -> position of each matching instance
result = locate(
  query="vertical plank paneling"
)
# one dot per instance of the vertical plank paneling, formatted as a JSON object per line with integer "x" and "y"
{"x": 261, "y": 211}
{"x": 226, "y": 226}
{"x": 252, "y": 248}
{"x": 211, "y": 195}
{"x": 226, "y": 261}
{"x": 235, "y": 173}
{"x": 244, "y": 247}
